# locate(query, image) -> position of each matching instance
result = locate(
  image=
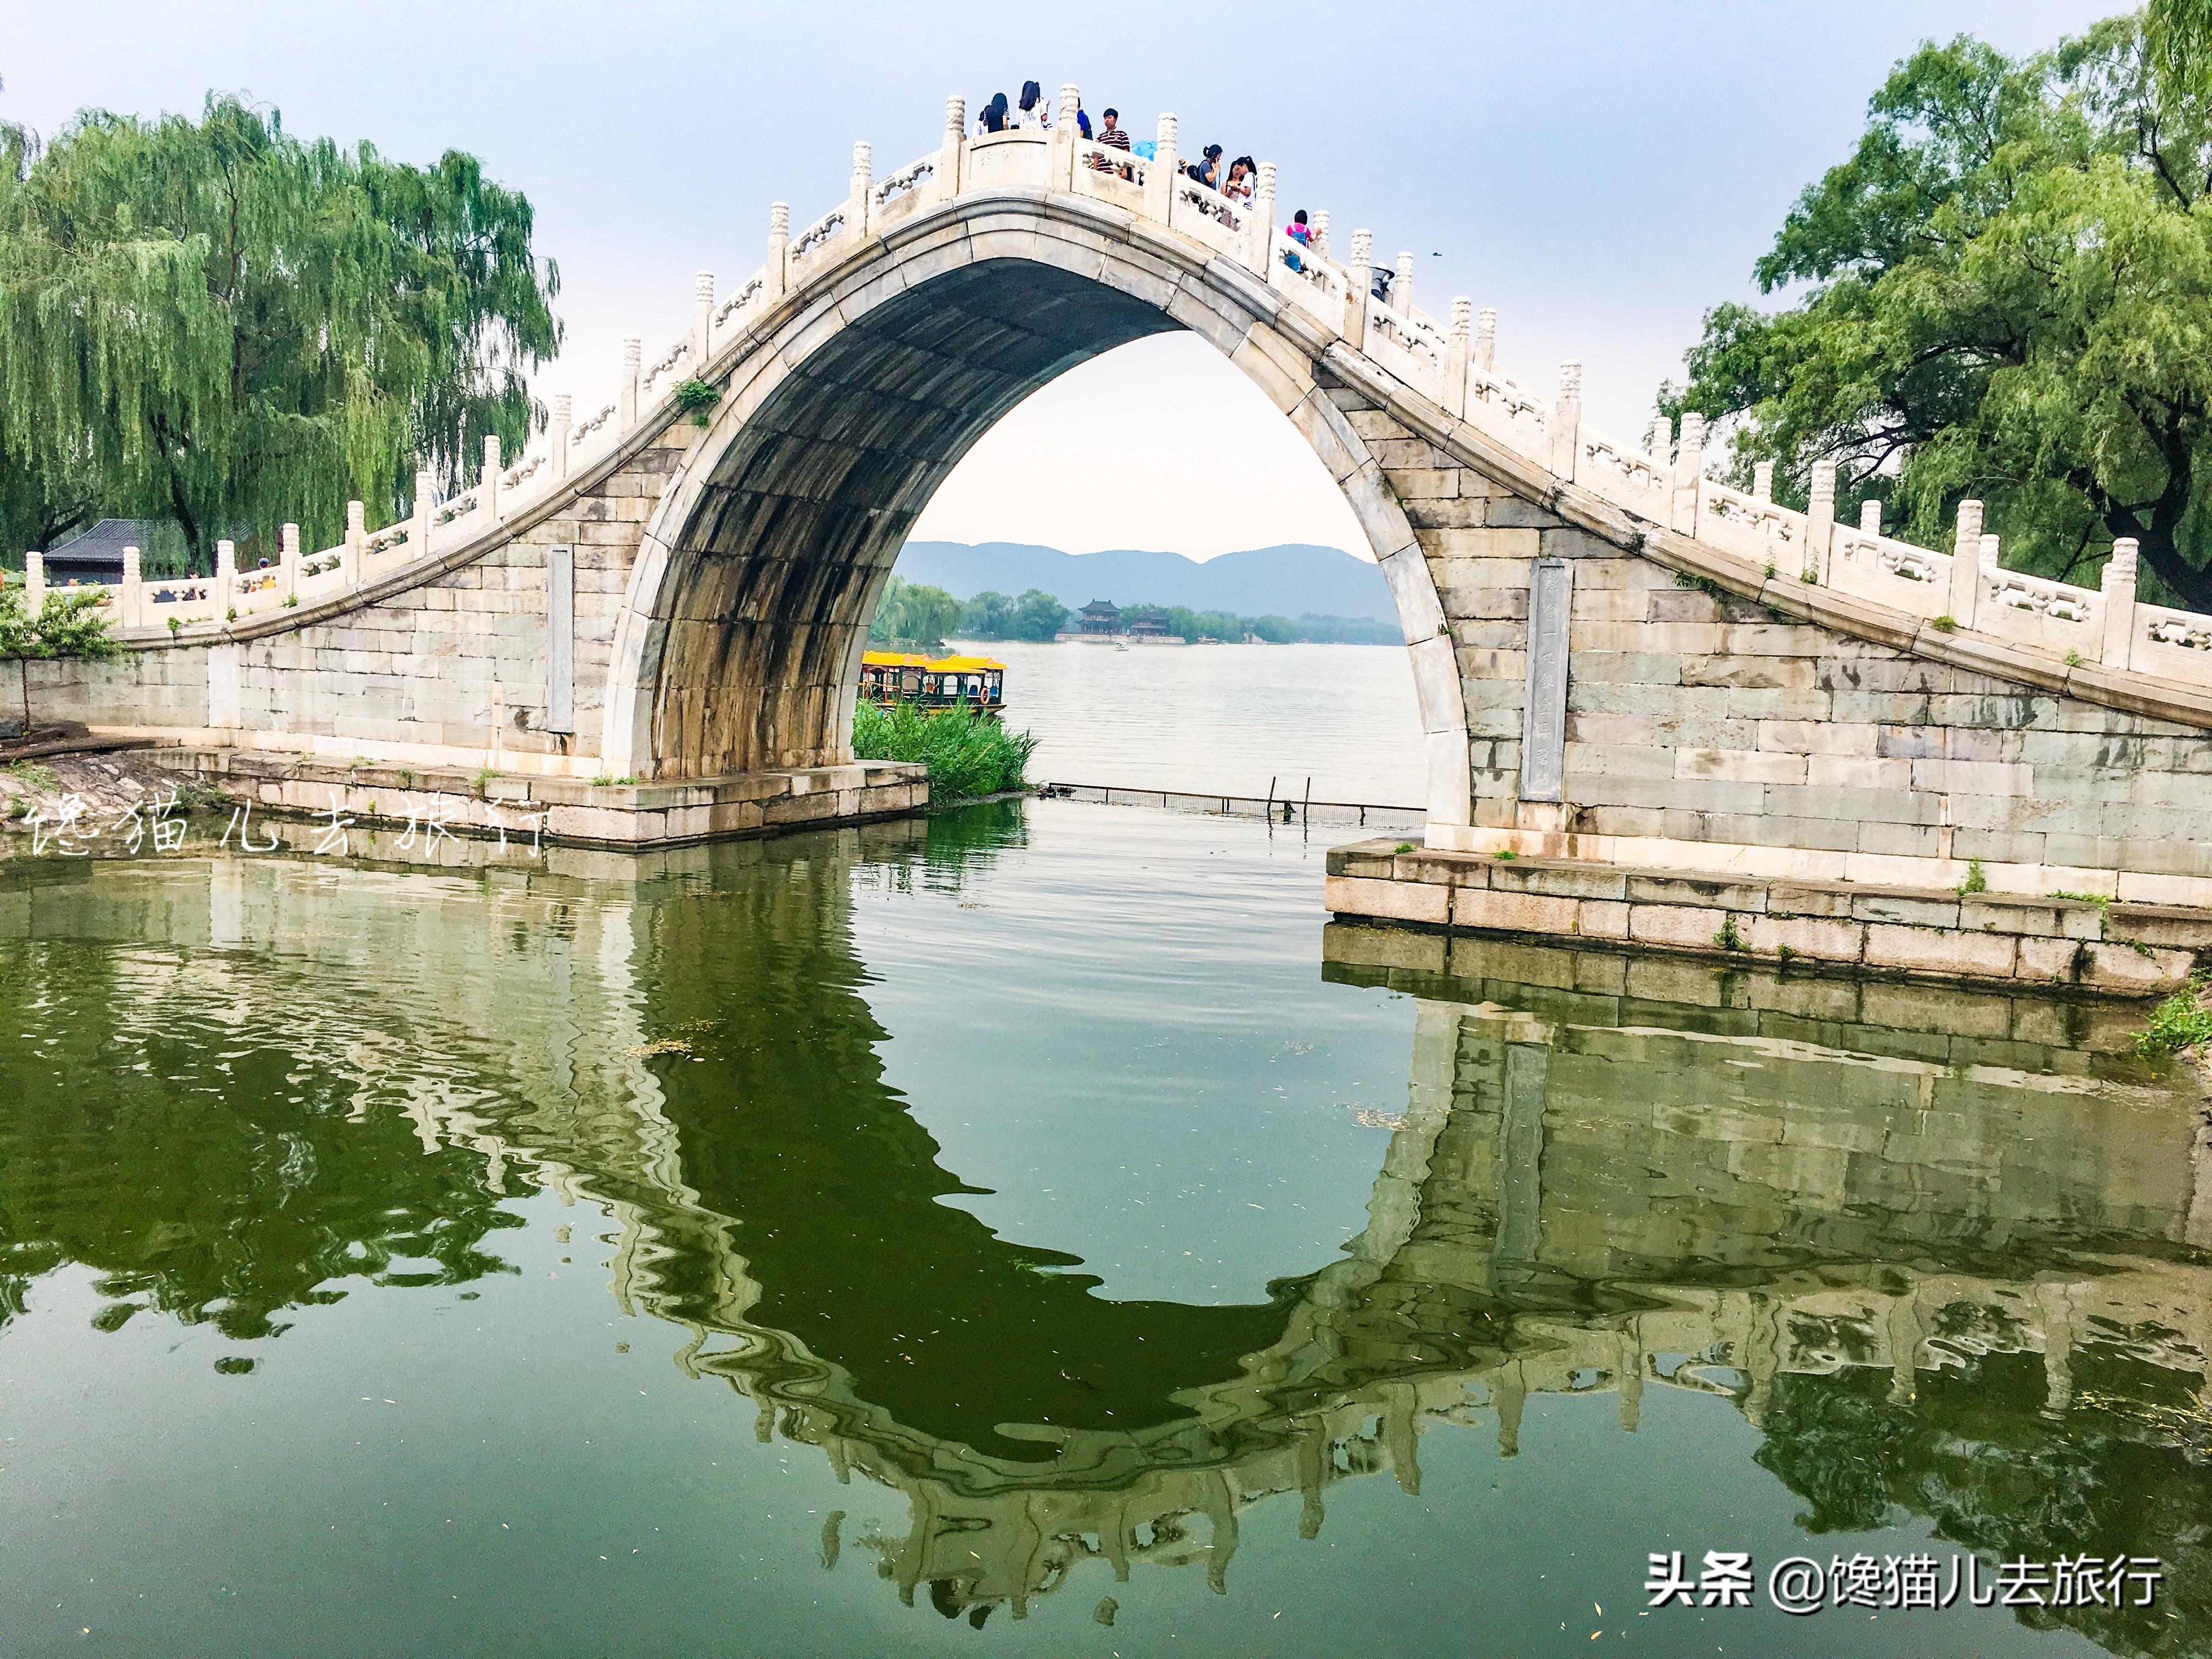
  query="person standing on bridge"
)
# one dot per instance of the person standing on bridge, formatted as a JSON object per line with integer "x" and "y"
{"x": 1296, "y": 230}
{"x": 1111, "y": 135}
{"x": 1035, "y": 113}
{"x": 1243, "y": 178}
{"x": 994, "y": 118}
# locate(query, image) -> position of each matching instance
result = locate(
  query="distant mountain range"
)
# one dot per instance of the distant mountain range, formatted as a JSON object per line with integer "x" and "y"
{"x": 1293, "y": 579}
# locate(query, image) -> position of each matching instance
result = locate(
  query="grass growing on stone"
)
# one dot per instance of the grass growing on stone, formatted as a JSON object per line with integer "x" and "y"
{"x": 2182, "y": 1021}
{"x": 968, "y": 753}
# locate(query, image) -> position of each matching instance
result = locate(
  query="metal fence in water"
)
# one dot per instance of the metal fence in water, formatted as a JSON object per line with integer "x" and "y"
{"x": 1330, "y": 814}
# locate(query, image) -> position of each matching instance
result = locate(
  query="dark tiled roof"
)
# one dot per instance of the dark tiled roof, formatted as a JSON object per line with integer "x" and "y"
{"x": 106, "y": 541}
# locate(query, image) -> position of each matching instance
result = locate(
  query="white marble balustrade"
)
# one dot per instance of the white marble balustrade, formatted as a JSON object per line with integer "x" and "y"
{"x": 1454, "y": 366}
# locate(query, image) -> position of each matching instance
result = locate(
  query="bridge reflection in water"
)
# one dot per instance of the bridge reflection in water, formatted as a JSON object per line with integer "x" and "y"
{"x": 1945, "y": 1251}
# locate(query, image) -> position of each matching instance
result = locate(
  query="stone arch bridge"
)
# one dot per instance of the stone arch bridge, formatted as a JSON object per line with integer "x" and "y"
{"x": 1619, "y": 660}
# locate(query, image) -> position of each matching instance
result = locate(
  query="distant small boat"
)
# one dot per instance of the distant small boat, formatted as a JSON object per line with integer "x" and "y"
{"x": 1120, "y": 644}
{"x": 888, "y": 677}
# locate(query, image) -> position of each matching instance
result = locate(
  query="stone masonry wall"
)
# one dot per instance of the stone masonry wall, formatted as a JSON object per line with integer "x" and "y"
{"x": 1705, "y": 733}
{"x": 455, "y": 668}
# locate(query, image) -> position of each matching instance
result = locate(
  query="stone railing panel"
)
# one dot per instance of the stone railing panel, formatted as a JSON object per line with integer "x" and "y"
{"x": 1205, "y": 215}
{"x": 900, "y": 195}
{"x": 1415, "y": 352}
{"x": 2171, "y": 644}
{"x": 1913, "y": 579}
{"x": 660, "y": 375}
{"x": 1110, "y": 174}
{"x": 724, "y": 318}
{"x": 1752, "y": 528}
{"x": 997, "y": 159}
{"x": 2054, "y": 616}
{"x": 1625, "y": 475}
{"x": 818, "y": 235}
{"x": 1316, "y": 286}
{"x": 593, "y": 434}
{"x": 1501, "y": 408}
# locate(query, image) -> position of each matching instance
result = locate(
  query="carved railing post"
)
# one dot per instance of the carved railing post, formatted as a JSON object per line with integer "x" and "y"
{"x": 702, "y": 323}
{"x": 858, "y": 207}
{"x": 563, "y": 418}
{"x": 1064, "y": 135}
{"x": 1159, "y": 178}
{"x": 132, "y": 606}
{"x": 356, "y": 534}
{"x": 2119, "y": 586}
{"x": 1566, "y": 418}
{"x": 1762, "y": 481}
{"x": 1359, "y": 291}
{"x": 1870, "y": 516}
{"x": 778, "y": 274}
{"x": 1689, "y": 473}
{"x": 948, "y": 153}
{"x": 1458, "y": 347}
{"x": 288, "y": 560}
{"x": 1820, "y": 518}
{"x": 1401, "y": 290}
{"x": 226, "y": 574}
{"x": 488, "y": 481}
{"x": 1263, "y": 223}
{"x": 1662, "y": 441}
{"x": 1485, "y": 338}
{"x": 626, "y": 388}
{"x": 418, "y": 534}
{"x": 34, "y": 581}
{"x": 1320, "y": 223}
{"x": 1966, "y": 564}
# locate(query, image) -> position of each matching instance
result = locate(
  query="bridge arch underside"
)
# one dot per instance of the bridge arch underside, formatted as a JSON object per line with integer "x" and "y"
{"x": 749, "y": 656}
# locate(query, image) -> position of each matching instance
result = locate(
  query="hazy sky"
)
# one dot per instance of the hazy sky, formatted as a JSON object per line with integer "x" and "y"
{"x": 1599, "y": 174}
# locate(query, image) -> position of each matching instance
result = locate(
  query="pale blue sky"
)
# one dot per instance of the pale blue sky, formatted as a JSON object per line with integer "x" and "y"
{"x": 1599, "y": 174}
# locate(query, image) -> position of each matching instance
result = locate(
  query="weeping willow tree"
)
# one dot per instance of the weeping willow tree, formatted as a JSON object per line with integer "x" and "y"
{"x": 215, "y": 322}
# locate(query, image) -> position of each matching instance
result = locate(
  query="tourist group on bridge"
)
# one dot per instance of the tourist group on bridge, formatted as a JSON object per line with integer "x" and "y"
{"x": 1033, "y": 112}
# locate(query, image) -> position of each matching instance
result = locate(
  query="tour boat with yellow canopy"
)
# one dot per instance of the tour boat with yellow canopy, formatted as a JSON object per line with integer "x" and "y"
{"x": 930, "y": 682}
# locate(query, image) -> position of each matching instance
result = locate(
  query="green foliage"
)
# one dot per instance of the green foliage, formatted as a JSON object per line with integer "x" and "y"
{"x": 968, "y": 753}
{"x": 1403, "y": 846}
{"x": 1978, "y": 878}
{"x": 2006, "y": 293}
{"x": 992, "y": 616}
{"x": 1729, "y": 939}
{"x": 69, "y": 624}
{"x": 2182, "y": 1021}
{"x": 1505, "y": 853}
{"x": 695, "y": 397}
{"x": 1943, "y": 624}
{"x": 216, "y": 323}
{"x": 915, "y": 611}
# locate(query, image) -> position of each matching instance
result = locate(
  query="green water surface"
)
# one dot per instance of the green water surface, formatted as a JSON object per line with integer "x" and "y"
{"x": 1035, "y": 1230}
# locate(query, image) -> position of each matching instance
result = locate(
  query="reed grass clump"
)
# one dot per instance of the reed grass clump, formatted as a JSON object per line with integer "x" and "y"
{"x": 968, "y": 753}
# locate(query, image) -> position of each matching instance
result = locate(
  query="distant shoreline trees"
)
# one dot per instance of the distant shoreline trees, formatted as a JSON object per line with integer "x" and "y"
{"x": 1038, "y": 616}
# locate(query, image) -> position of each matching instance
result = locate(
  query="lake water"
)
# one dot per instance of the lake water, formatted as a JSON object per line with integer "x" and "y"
{"x": 1035, "y": 1229}
{"x": 1222, "y": 719}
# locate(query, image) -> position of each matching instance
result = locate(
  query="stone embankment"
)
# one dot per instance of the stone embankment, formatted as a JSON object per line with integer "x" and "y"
{"x": 1986, "y": 937}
